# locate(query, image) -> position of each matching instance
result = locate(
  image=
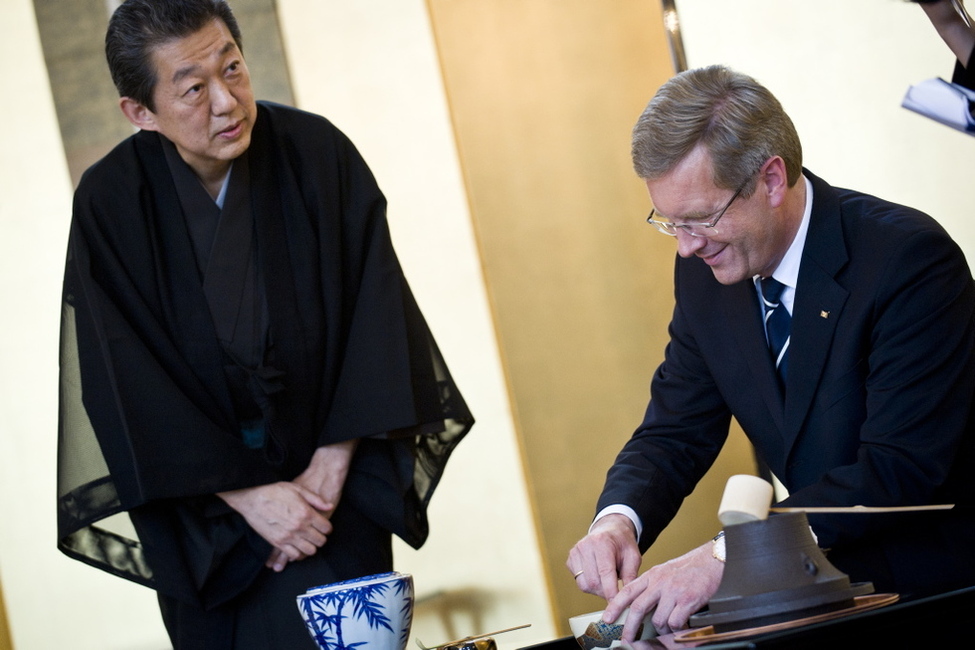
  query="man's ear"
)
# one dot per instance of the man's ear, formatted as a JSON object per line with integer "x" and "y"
{"x": 136, "y": 113}
{"x": 776, "y": 179}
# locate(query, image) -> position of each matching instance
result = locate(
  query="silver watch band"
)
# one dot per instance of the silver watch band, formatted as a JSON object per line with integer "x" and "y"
{"x": 718, "y": 547}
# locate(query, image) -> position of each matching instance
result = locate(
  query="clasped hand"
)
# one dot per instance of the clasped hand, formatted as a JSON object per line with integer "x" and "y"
{"x": 294, "y": 516}
{"x": 609, "y": 556}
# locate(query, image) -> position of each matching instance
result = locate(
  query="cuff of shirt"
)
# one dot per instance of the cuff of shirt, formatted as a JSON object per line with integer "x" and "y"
{"x": 620, "y": 509}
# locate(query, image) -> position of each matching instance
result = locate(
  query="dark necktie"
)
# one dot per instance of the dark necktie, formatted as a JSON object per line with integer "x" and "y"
{"x": 777, "y": 323}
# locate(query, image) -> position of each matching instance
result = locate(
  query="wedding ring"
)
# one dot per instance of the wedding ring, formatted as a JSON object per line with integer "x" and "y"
{"x": 577, "y": 574}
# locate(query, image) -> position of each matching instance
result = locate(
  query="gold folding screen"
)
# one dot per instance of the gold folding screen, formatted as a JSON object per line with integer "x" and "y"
{"x": 543, "y": 95}
{"x": 4, "y": 630}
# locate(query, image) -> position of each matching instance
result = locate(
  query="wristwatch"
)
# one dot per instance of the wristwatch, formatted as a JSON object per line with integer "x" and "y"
{"x": 717, "y": 547}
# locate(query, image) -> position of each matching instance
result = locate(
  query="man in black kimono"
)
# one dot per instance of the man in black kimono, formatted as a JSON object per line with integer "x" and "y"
{"x": 251, "y": 401}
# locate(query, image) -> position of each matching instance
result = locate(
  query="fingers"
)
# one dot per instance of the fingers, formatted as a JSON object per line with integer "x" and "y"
{"x": 641, "y": 597}
{"x": 671, "y": 592}
{"x": 286, "y": 515}
{"x": 675, "y": 609}
{"x": 609, "y": 581}
{"x": 296, "y": 520}
{"x": 680, "y": 615}
{"x": 631, "y": 628}
{"x": 593, "y": 571}
{"x": 313, "y": 499}
{"x": 608, "y": 553}
{"x": 304, "y": 543}
{"x": 665, "y": 617}
{"x": 671, "y": 614}
{"x": 575, "y": 565}
{"x": 630, "y": 565}
{"x": 277, "y": 561}
{"x": 677, "y": 589}
{"x": 326, "y": 474}
{"x": 280, "y": 558}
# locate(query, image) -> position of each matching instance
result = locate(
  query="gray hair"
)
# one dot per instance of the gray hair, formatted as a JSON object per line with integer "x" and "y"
{"x": 738, "y": 120}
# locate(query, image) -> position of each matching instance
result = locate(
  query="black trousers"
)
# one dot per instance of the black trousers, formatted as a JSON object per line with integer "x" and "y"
{"x": 266, "y": 616}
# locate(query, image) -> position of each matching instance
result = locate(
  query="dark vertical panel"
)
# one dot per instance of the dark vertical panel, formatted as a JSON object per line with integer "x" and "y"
{"x": 264, "y": 49}
{"x": 72, "y": 36}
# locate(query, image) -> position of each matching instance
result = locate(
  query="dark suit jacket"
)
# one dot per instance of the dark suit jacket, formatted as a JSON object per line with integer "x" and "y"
{"x": 878, "y": 406}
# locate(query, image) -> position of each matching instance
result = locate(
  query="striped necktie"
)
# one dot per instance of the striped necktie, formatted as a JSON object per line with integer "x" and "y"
{"x": 778, "y": 323}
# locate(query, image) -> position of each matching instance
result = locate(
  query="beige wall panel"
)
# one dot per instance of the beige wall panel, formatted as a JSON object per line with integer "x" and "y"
{"x": 371, "y": 67}
{"x": 543, "y": 97}
{"x": 94, "y": 610}
{"x": 841, "y": 69}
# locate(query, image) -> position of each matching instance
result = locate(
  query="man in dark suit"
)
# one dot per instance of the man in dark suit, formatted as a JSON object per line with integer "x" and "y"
{"x": 861, "y": 393}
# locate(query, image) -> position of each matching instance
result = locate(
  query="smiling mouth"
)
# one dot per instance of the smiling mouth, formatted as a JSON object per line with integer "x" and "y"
{"x": 711, "y": 259}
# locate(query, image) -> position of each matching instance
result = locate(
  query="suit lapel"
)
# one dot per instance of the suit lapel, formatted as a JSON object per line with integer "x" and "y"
{"x": 818, "y": 306}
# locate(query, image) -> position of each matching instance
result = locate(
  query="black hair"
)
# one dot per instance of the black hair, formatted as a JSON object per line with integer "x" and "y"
{"x": 138, "y": 26}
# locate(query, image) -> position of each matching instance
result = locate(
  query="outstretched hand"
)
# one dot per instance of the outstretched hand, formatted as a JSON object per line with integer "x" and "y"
{"x": 673, "y": 591}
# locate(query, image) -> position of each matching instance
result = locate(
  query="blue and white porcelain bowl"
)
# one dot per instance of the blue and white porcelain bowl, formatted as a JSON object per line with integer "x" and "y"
{"x": 371, "y": 612}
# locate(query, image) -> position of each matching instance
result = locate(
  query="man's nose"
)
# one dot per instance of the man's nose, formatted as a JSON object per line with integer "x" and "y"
{"x": 688, "y": 245}
{"x": 222, "y": 99}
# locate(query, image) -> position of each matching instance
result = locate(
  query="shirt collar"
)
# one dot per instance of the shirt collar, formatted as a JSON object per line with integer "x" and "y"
{"x": 222, "y": 196}
{"x": 787, "y": 272}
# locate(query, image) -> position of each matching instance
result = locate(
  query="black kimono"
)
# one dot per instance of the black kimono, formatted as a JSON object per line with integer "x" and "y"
{"x": 180, "y": 379}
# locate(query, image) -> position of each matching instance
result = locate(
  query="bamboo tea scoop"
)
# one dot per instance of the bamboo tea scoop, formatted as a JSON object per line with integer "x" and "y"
{"x": 747, "y": 498}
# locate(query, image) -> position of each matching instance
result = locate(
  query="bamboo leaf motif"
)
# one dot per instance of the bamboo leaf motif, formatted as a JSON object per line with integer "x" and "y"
{"x": 325, "y": 613}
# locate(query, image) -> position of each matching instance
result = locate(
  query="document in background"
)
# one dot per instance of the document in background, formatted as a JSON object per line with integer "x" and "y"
{"x": 944, "y": 102}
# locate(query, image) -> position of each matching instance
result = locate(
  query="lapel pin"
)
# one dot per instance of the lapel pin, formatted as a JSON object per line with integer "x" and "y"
{"x": 824, "y": 314}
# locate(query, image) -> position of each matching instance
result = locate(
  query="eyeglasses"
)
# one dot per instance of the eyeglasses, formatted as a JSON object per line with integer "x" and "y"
{"x": 703, "y": 229}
